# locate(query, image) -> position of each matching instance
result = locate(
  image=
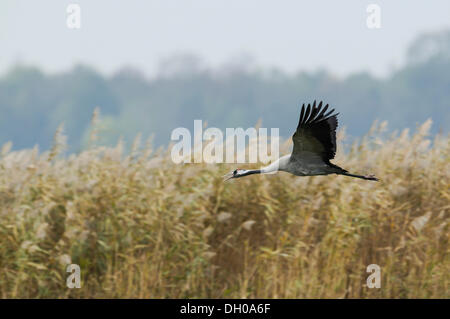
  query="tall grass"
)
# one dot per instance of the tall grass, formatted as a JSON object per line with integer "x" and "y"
{"x": 140, "y": 226}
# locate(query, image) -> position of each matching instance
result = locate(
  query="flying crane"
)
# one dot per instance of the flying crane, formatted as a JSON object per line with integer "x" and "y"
{"x": 314, "y": 147}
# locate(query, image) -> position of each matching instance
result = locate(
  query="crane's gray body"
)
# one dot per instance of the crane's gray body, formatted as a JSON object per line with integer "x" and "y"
{"x": 308, "y": 166}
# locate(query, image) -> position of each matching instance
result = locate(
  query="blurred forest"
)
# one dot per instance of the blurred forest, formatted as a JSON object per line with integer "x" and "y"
{"x": 33, "y": 103}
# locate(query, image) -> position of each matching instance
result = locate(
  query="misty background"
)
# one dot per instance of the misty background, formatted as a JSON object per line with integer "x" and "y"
{"x": 154, "y": 66}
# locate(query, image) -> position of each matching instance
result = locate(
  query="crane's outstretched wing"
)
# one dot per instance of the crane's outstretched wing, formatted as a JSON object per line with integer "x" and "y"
{"x": 316, "y": 133}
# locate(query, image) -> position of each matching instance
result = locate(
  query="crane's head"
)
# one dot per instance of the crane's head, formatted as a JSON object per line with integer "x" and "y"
{"x": 235, "y": 174}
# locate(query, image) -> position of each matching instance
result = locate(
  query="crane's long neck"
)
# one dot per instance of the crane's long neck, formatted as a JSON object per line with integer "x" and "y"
{"x": 250, "y": 172}
{"x": 279, "y": 165}
{"x": 265, "y": 170}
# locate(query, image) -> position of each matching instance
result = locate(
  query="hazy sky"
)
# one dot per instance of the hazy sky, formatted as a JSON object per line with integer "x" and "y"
{"x": 292, "y": 35}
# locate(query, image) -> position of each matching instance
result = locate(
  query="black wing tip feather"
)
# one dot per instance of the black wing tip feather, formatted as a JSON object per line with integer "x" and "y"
{"x": 315, "y": 113}
{"x": 316, "y": 124}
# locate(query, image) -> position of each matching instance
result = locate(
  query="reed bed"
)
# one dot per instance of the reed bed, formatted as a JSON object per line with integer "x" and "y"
{"x": 140, "y": 226}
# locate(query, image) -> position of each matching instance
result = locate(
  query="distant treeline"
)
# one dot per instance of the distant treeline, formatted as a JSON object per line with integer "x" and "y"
{"x": 33, "y": 104}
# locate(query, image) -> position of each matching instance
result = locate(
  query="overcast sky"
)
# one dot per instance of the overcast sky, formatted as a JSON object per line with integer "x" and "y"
{"x": 291, "y": 35}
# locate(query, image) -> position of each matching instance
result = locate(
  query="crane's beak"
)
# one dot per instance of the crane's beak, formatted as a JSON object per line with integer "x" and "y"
{"x": 228, "y": 176}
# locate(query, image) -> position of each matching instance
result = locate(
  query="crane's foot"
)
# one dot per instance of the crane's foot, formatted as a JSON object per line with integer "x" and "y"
{"x": 371, "y": 177}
